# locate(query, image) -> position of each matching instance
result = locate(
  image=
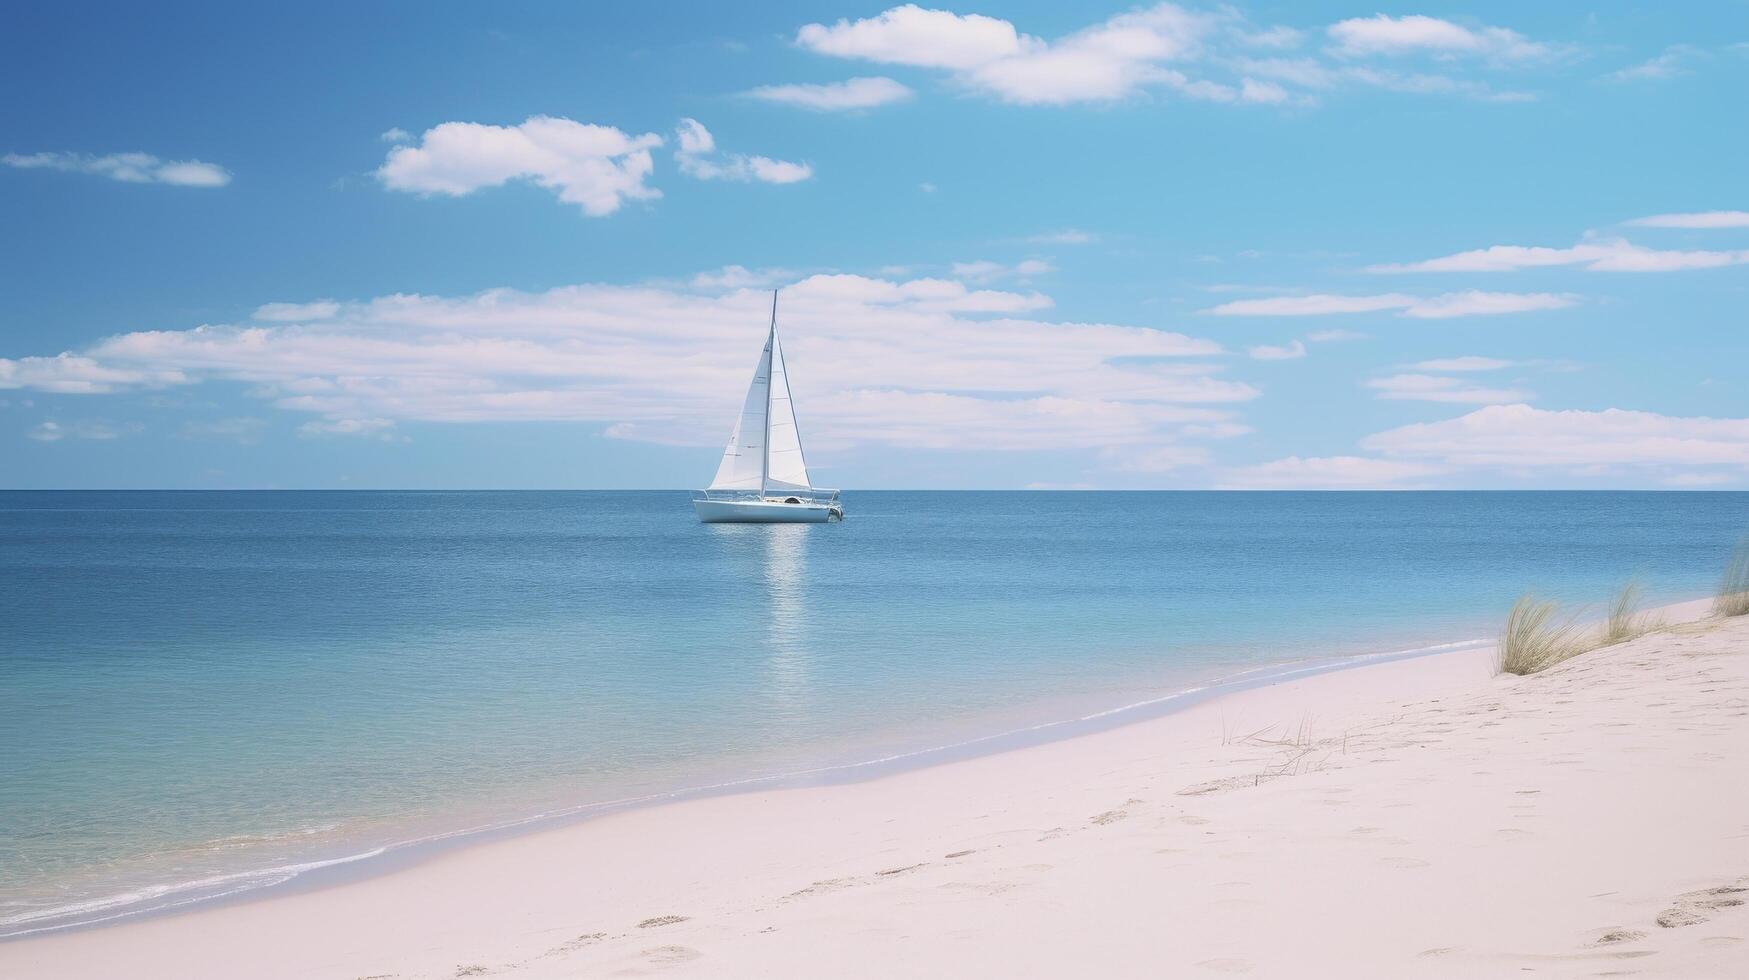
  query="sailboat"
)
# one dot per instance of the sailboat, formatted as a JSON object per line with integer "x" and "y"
{"x": 763, "y": 478}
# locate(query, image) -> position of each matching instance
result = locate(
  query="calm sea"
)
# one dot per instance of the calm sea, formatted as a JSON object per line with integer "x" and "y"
{"x": 205, "y": 693}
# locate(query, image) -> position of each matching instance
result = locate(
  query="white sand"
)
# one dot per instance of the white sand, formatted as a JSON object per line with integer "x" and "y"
{"x": 1418, "y": 818}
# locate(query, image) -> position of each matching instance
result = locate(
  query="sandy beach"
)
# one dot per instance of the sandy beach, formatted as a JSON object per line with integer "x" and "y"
{"x": 1414, "y": 818}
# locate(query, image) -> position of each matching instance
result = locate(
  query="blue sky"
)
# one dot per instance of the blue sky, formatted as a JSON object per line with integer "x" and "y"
{"x": 1021, "y": 244}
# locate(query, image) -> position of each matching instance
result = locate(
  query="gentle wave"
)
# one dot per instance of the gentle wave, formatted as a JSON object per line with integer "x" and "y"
{"x": 160, "y": 898}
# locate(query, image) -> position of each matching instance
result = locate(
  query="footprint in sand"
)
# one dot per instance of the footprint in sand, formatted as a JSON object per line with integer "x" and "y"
{"x": 669, "y": 955}
{"x": 1698, "y": 906}
{"x": 662, "y": 920}
{"x": 1613, "y": 936}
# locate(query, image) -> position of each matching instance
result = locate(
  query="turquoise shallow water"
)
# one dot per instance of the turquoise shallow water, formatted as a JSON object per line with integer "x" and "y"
{"x": 199, "y": 688}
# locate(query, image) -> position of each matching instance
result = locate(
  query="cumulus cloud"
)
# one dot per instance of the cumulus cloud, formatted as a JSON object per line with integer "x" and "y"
{"x": 1106, "y": 61}
{"x": 1522, "y": 437}
{"x": 1605, "y": 255}
{"x": 133, "y": 168}
{"x": 1695, "y": 219}
{"x": 597, "y": 168}
{"x": 698, "y": 157}
{"x": 1291, "y": 351}
{"x": 855, "y": 93}
{"x": 1444, "y": 306}
{"x": 1151, "y": 49}
{"x": 396, "y": 135}
{"x": 924, "y": 363}
{"x": 1438, "y": 388}
{"x": 1329, "y": 473}
{"x": 1382, "y": 34}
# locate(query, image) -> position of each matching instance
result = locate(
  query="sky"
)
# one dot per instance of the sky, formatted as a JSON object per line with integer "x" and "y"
{"x": 1262, "y": 245}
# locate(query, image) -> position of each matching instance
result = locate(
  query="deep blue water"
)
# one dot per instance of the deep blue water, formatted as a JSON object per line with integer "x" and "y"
{"x": 198, "y": 684}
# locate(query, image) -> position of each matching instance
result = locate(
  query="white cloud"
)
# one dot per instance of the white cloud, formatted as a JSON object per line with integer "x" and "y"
{"x": 321, "y": 309}
{"x": 381, "y": 429}
{"x": 1151, "y": 49}
{"x": 1695, "y": 219}
{"x": 597, "y": 168}
{"x": 741, "y": 277}
{"x": 1251, "y": 90}
{"x": 1068, "y": 236}
{"x": 983, "y": 270}
{"x": 1417, "y": 34}
{"x": 1671, "y": 62}
{"x": 926, "y": 363}
{"x": 1468, "y": 363}
{"x": 72, "y": 374}
{"x": 1606, "y": 255}
{"x": 855, "y": 93}
{"x": 1334, "y": 336}
{"x": 133, "y": 168}
{"x": 911, "y": 35}
{"x": 698, "y": 157}
{"x": 1522, "y": 437}
{"x": 1444, "y": 306}
{"x": 396, "y": 135}
{"x": 53, "y": 431}
{"x": 1440, "y": 388}
{"x": 1264, "y": 352}
{"x": 1106, "y": 61}
{"x": 1328, "y": 473}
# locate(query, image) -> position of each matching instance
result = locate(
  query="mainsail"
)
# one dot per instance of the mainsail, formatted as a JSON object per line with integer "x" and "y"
{"x": 786, "y": 468}
{"x": 765, "y": 451}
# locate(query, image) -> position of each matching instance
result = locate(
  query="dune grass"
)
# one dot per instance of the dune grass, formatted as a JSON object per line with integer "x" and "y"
{"x": 1535, "y": 639}
{"x": 1733, "y": 597}
{"x": 1625, "y": 619}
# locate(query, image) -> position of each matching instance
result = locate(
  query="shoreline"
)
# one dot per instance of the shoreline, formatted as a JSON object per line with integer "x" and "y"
{"x": 503, "y": 900}
{"x": 324, "y": 872}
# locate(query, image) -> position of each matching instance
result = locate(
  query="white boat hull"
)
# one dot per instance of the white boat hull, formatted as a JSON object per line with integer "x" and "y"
{"x": 763, "y": 512}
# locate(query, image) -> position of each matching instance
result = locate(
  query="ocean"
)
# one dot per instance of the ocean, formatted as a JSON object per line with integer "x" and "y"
{"x": 208, "y": 693}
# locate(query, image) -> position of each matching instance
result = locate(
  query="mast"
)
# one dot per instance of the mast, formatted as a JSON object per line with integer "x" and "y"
{"x": 765, "y": 444}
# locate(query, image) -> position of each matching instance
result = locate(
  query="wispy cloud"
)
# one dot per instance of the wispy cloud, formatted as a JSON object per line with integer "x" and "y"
{"x": 1673, "y": 61}
{"x": 1606, "y": 255}
{"x": 1469, "y": 363}
{"x": 597, "y": 168}
{"x": 1444, "y": 306}
{"x": 1437, "y": 388}
{"x": 1067, "y": 236}
{"x": 1695, "y": 219}
{"x": 1522, "y": 437}
{"x": 98, "y": 429}
{"x": 698, "y": 157}
{"x": 983, "y": 270}
{"x": 1292, "y": 350}
{"x": 855, "y": 93}
{"x": 133, "y": 168}
{"x": 921, "y": 363}
{"x": 321, "y": 309}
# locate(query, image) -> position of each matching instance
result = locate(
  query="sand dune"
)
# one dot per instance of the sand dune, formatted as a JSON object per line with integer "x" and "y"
{"x": 1417, "y": 818}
